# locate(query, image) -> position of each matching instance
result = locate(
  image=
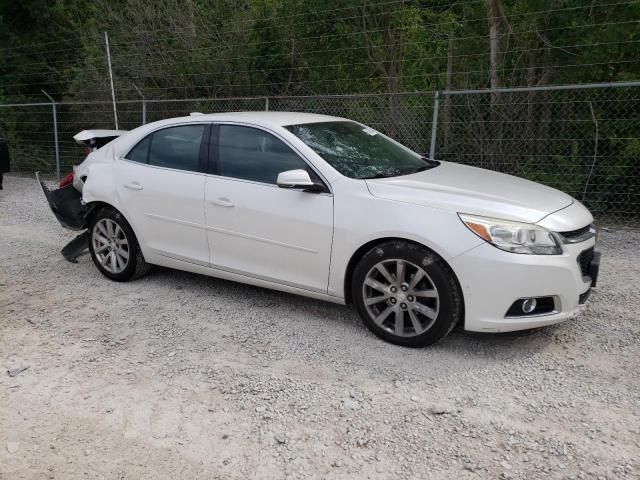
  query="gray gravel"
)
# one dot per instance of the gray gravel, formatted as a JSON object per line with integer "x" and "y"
{"x": 182, "y": 376}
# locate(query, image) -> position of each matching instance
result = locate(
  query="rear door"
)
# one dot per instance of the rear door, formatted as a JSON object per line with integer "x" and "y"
{"x": 161, "y": 186}
{"x": 255, "y": 227}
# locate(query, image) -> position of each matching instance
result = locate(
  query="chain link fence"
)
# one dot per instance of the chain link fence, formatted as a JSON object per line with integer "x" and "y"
{"x": 582, "y": 139}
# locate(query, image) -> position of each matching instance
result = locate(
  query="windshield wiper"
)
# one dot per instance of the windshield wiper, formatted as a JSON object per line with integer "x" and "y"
{"x": 419, "y": 169}
{"x": 379, "y": 175}
{"x": 429, "y": 165}
{"x": 432, "y": 163}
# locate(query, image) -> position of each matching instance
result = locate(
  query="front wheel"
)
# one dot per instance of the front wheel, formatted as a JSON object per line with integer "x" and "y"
{"x": 406, "y": 294}
{"x": 114, "y": 247}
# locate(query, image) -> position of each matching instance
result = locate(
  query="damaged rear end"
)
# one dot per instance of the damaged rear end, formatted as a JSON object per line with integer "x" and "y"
{"x": 66, "y": 202}
{"x": 67, "y": 205}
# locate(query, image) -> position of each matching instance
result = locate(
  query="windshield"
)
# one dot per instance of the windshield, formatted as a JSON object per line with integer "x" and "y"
{"x": 357, "y": 151}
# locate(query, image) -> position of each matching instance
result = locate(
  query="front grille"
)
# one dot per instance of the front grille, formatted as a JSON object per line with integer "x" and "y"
{"x": 584, "y": 260}
{"x": 576, "y": 233}
{"x": 580, "y": 235}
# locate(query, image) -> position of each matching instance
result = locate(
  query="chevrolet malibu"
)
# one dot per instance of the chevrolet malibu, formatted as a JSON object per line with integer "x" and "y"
{"x": 329, "y": 208}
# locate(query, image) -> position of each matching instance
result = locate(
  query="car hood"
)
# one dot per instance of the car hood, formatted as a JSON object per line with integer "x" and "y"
{"x": 466, "y": 189}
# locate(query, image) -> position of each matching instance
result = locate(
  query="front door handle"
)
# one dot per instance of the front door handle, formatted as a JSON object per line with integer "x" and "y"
{"x": 222, "y": 202}
{"x": 133, "y": 186}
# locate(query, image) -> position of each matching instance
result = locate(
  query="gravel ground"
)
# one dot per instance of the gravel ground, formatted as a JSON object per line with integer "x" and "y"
{"x": 178, "y": 375}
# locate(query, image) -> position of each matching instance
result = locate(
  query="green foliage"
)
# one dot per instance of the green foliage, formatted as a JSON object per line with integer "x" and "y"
{"x": 234, "y": 48}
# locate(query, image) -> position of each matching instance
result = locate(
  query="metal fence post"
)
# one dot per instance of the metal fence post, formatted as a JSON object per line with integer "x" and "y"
{"x": 55, "y": 132}
{"x": 144, "y": 104}
{"x": 113, "y": 93}
{"x": 434, "y": 124}
{"x": 266, "y": 104}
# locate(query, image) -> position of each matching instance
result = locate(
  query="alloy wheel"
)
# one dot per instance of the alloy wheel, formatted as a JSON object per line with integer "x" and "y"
{"x": 110, "y": 245}
{"x": 400, "y": 297}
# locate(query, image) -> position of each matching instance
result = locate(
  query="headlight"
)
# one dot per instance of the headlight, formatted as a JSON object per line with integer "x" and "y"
{"x": 513, "y": 237}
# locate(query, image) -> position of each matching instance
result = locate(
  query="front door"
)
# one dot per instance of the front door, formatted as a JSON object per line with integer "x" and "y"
{"x": 256, "y": 228}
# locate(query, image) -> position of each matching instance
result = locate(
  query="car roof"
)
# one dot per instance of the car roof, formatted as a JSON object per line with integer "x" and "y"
{"x": 259, "y": 118}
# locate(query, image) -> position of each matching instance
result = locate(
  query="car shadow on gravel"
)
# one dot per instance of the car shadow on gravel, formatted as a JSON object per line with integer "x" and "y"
{"x": 508, "y": 346}
{"x": 317, "y": 315}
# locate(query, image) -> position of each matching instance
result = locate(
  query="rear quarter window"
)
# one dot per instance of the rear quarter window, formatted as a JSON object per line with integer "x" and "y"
{"x": 177, "y": 147}
{"x": 140, "y": 152}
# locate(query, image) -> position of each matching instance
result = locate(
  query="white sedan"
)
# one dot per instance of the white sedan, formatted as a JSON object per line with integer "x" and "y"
{"x": 332, "y": 209}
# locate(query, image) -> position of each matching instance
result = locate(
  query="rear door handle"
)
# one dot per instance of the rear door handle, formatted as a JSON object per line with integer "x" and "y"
{"x": 222, "y": 202}
{"x": 133, "y": 186}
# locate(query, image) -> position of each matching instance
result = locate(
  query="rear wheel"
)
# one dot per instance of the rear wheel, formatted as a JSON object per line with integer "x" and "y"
{"x": 406, "y": 294}
{"x": 114, "y": 247}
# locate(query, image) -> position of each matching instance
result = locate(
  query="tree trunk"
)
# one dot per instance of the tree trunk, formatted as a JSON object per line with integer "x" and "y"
{"x": 395, "y": 114}
{"x": 387, "y": 59}
{"x": 446, "y": 113}
{"x": 494, "y": 15}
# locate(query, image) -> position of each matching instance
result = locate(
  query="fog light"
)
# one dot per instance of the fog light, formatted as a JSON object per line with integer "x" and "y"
{"x": 529, "y": 305}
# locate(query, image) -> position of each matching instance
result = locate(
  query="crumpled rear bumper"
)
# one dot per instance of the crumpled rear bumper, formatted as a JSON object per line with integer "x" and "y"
{"x": 66, "y": 204}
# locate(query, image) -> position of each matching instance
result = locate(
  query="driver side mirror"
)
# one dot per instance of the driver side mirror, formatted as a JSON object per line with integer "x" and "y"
{"x": 298, "y": 180}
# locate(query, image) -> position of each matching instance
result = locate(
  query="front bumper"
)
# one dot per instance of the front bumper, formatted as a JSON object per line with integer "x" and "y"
{"x": 493, "y": 279}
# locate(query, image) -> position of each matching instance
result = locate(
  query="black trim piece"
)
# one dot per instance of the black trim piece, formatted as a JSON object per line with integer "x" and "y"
{"x": 582, "y": 299}
{"x": 319, "y": 185}
{"x": 584, "y": 260}
{"x": 594, "y": 268}
{"x": 214, "y": 152}
{"x": 589, "y": 262}
{"x": 203, "y": 158}
{"x": 151, "y": 135}
{"x": 76, "y": 247}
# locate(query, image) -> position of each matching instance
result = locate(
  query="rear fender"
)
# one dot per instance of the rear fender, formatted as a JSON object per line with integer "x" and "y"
{"x": 101, "y": 188}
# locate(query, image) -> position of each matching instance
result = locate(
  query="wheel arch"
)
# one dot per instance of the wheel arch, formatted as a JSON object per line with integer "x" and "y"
{"x": 98, "y": 205}
{"x": 363, "y": 249}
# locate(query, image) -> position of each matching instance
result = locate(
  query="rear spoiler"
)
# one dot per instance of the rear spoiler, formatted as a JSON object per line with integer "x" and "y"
{"x": 95, "y": 139}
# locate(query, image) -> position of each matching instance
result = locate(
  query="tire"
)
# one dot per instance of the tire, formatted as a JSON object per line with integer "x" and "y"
{"x": 426, "y": 303}
{"x": 114, "y": 248}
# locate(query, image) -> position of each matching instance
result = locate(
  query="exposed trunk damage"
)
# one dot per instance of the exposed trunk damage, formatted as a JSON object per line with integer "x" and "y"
{"x": 94, "y": 139}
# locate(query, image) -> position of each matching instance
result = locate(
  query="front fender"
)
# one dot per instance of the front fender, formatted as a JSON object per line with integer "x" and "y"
{"x": 439, "y": 230}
